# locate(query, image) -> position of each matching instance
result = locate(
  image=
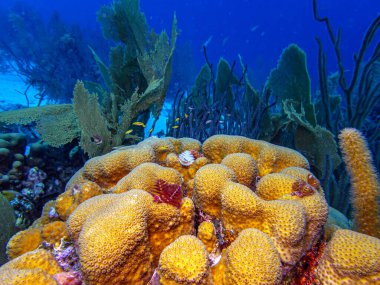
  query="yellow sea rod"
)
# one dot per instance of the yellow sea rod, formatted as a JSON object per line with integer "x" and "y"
{"x": 364, "y": 181}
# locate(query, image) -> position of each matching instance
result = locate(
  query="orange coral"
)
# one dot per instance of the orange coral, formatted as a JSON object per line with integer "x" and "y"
{"x": 72, "y": 197}
{"x": 269, "y": 158}
{"x": 108, "y": 169}
{"x": 207, "y": 234}
{"x": 350, "y": 258}
{"x": 34, "y": 267}
{"x": 23, "y": 242}
{"x": 185, "y": 261}
{"x": 98, "y": 227}
{"x": 253, "y": 194}
{"x": 54, "y": 232}
{"x": 145, "y": 177}
{"x": 292, "y": 222}
{"x": 364, "y": 181}
{"x": 244, "y": 263}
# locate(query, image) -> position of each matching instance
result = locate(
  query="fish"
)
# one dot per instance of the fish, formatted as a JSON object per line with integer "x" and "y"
{"x": 186, "y": 115}
{"x": 163, "y": 148}
{"x": 208, "y": 121}
{"x": 129, "y": 131}
{"x": 206, "y": 43}
{"x": 254, "y": 28}
{"x": 97, "y": 139}
{"x": 151, "y": 130}
{"x": 27, "y": 150}
{"x": 175, "y": 127}
{"x": 176, "y": 119}
{"x": 225, "y": 41}
{"x": 191, "y": 108}
{"x": 141, "y": 124}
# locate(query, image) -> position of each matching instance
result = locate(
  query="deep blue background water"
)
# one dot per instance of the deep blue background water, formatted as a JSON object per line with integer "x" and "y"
{"x": 257, "y": 30}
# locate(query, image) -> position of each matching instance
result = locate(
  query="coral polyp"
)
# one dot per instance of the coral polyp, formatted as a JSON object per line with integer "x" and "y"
{"x": 124, "y": 219}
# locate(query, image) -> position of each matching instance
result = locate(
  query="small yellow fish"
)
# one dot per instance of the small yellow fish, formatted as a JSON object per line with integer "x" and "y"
{"x": 163, "y": 148}
{"x": 176, "y": 119}
{"x": 175, "y": 127}
{"x": 186, "y": 116}
{"x": 151, "y": 130}
{"x": 128, "y": 132}
{"x": 141, "y": 124}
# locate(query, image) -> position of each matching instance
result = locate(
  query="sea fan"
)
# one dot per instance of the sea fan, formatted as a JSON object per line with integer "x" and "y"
{"x": 167, "y": 193}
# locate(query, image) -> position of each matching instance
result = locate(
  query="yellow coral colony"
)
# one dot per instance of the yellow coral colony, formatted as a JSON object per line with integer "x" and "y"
{"x": 364, "y": 181}
{"x": 255, "y": 207}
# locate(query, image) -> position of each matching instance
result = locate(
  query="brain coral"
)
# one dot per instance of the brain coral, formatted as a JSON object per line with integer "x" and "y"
{"x": 132, "y": 215}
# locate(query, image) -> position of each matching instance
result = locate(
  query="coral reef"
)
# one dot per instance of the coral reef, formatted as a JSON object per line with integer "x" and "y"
{"x": 7, "y": 226}
{"x": 128, "y": 221}
{"x": 32, "y": 174}
{"x": 12, "y": 148}
{"x": 135, "y": 86}
{"x": 127, "y": 256}
{"x": 365, "y": 185}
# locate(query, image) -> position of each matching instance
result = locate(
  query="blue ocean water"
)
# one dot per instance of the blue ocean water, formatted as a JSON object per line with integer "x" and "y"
{"x": 257, "y": 30}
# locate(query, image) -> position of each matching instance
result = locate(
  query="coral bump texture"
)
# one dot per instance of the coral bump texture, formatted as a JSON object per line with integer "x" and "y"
{"x": 244, "y": 212}
{"x": 364, "y": 181}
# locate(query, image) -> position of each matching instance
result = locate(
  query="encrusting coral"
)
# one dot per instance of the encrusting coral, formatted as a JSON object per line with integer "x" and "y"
{"x": 34, "y": 267}
{"x": 132, "y": 215}
{"x": 365, "y": 185}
